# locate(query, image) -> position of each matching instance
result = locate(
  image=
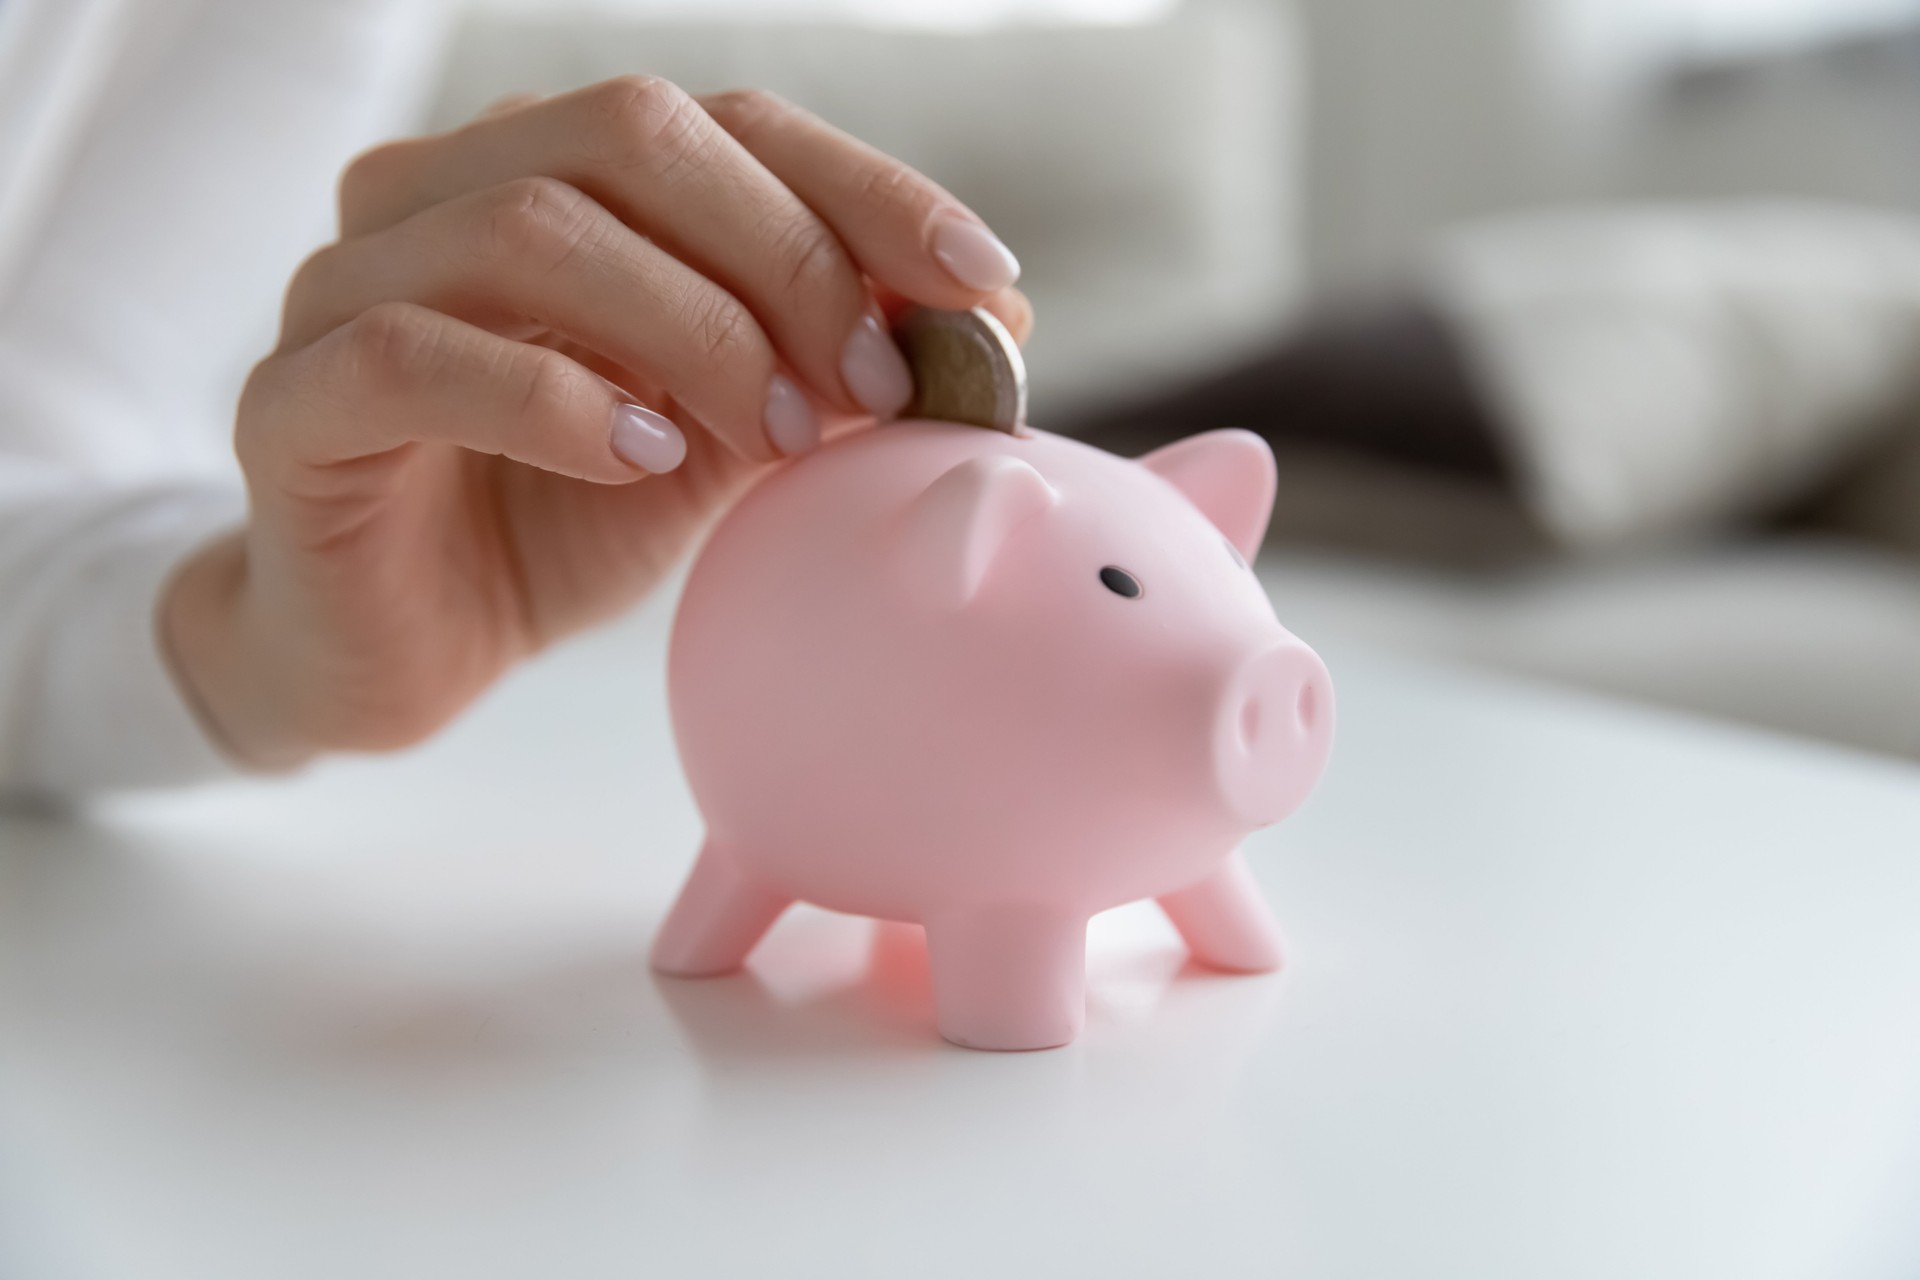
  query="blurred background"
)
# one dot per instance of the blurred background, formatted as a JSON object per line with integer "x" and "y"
{"x": 1584, "y": 328}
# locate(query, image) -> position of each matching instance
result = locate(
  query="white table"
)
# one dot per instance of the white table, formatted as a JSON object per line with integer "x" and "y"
{"x": 1577, "y": 989}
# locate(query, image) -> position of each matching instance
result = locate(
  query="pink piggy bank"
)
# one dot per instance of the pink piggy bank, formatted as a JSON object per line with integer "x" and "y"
{"x": 991, "y": 684}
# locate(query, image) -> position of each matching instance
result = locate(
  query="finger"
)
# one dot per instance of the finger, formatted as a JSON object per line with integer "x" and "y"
{"x": 535, "y": 254}
{"x": 1009, "y": 306}
{"x": 401, "y": 374}
{"x": 511, "y": 102}
{"x": 649, "y": 153}
{"x": 905, "y": 230}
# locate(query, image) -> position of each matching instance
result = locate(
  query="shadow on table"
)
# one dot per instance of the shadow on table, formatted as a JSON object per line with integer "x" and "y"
{"x": 809, "y": 1000}
{"x": 811, "y": 992}
{"x": 418, "y": 977}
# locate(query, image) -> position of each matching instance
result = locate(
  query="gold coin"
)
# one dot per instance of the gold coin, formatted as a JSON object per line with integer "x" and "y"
{"x": 966, "y": 368}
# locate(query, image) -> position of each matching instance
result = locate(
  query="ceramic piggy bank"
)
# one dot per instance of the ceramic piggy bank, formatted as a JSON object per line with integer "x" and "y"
{"x": 991, "y": 684}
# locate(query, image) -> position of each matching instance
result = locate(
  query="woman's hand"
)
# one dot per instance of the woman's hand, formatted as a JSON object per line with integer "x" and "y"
{"x": 545, "y": 350}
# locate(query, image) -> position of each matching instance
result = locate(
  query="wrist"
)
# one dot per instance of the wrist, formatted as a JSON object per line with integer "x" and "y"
{"x": 221, "y": 665}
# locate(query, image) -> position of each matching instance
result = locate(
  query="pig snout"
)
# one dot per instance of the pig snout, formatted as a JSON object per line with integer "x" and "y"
{"x": 1274, "y": 727}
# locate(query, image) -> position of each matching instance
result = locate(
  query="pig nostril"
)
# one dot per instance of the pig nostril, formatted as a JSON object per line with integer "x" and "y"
{"x": 1308, "y": 706}
{"x": 1249, "y": 721}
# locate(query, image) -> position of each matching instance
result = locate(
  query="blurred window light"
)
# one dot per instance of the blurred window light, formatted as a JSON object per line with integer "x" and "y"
{"x": 1713, "y": 30}
{"x": 1593, "y": 57}
{"x": 950, "y": 15}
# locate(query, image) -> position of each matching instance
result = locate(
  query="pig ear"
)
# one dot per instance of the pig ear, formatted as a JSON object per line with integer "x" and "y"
{"x": 957, "y": 527}
{"x": 1229, "y": 475}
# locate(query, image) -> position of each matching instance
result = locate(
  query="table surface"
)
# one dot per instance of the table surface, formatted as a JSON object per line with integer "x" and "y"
{"x": 1575, "y": 989}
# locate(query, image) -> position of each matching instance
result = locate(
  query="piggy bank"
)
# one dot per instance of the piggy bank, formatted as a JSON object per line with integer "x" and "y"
{"x": 991, "y": 684}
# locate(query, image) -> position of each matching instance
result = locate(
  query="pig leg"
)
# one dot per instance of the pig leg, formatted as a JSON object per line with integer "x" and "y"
{"x": 1009, "y": 977}
{"x": 721, "y": 913}
{"x": 1225, "y": 921}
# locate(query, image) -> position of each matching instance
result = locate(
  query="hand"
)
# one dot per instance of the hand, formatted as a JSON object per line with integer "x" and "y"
{"x": 547, "y": 348}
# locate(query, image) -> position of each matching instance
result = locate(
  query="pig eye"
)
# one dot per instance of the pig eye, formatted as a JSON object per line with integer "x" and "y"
{"x": 1120, "y": 582}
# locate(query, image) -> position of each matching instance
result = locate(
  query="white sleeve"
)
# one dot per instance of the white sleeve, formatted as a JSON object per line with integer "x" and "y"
{"x": 164, "y": 166}
{"x": 86, "y": 700}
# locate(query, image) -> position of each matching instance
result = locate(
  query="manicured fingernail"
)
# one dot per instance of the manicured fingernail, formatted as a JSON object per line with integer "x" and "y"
{"x": 646, "y": 439}
{"x": 875, "y": 372}
{"x": 789, "y": 419}
{"x": 973, "y": 255}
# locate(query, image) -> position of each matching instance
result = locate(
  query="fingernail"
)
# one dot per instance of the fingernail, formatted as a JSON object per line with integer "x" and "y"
{"x": 647, "y": 439}
{"x": 789, "y": 419}
{"x": 973, "y": 255}
{"x": 875, "y": 372}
